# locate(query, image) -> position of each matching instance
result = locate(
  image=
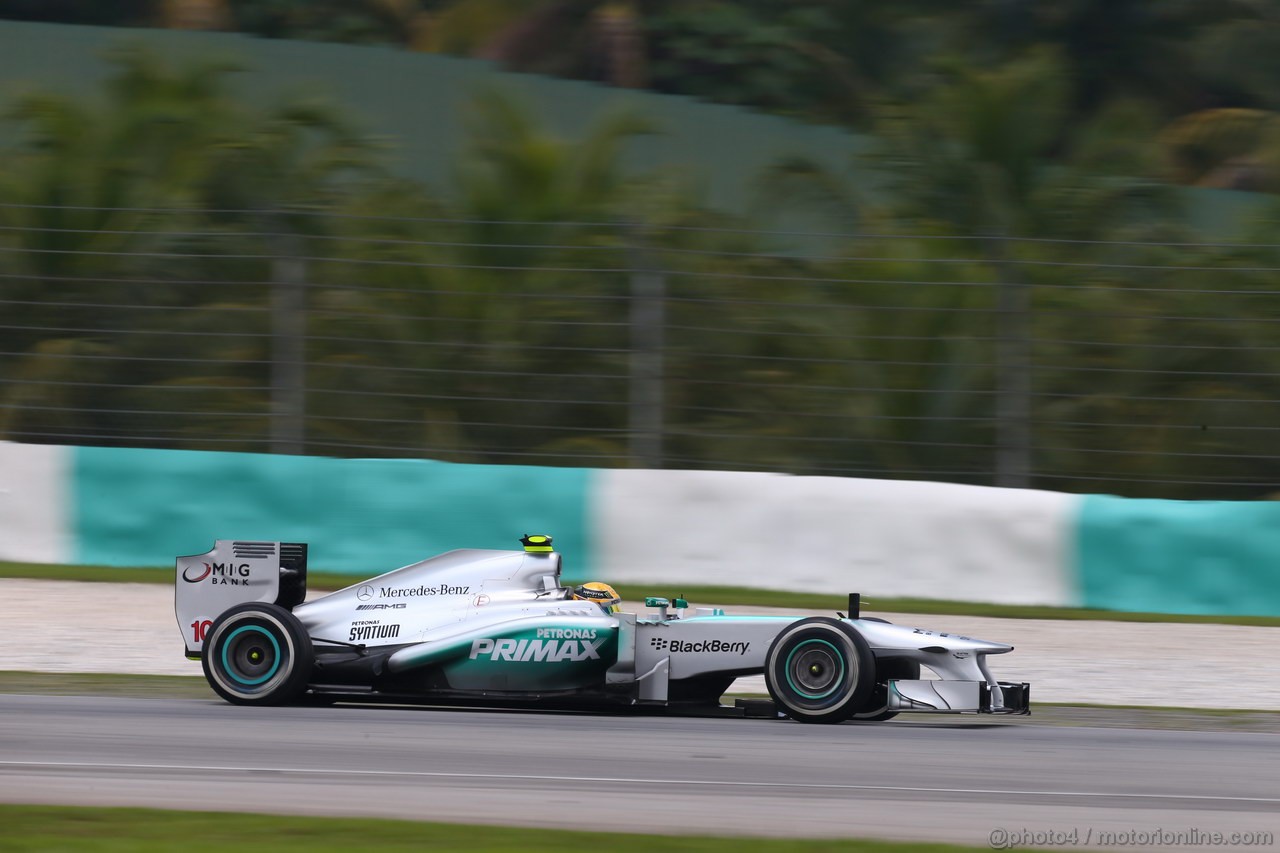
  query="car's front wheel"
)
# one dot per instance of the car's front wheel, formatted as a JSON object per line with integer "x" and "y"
{"x": 819, "y": 670}
{"x": 258, "y": 654}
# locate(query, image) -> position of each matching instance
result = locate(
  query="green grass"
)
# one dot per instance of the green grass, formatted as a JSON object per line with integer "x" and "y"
{"x": 719, "y": 595}
{"x": 728, "y": 595}
{"x": 103, "y": 830}
{"x": 108, "y": 684}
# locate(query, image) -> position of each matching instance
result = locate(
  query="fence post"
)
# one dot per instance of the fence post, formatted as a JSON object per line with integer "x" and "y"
{"x": 288, "y": 340}
{"x": 1013, "y": 371}
{"x": 645, "y": 411}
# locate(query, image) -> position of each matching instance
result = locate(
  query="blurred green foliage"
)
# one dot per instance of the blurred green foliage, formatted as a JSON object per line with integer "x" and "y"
{"x": 816, "y": 58}
{"x": 854, "y": 62}
{"x": 1132, "y": 66}
{"x": 139, "y": 238}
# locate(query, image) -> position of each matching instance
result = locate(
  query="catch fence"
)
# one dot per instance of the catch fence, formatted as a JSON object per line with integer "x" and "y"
{"x": 1134, "y": 368}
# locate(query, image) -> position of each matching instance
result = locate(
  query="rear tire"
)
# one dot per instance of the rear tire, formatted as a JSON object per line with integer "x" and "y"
{"x": 819, "y": 670}
{"x": 258, "y": 654}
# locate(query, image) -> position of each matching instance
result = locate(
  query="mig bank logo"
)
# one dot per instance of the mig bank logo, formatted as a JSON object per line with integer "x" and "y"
{"x": 199, "y": 576}
{"x": 228, "y": 574}
{"x": 550, "y": 651}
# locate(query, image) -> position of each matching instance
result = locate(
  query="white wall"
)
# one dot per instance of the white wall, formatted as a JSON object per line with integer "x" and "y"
{"x": 890, "y": 538}
{"x": 35, "y": 512}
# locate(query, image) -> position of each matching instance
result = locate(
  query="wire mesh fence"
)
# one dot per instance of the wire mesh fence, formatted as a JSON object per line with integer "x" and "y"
{"x": 1145, "y": 369}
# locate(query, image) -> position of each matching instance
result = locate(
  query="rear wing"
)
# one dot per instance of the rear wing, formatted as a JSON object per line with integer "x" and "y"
{"x": 235, "y": 572}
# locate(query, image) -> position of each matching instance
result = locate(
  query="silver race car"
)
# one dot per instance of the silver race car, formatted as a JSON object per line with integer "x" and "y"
{"x": 498, "y": 627}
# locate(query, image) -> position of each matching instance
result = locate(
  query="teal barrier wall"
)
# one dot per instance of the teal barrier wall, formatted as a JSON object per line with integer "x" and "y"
{"x": 1209, "y": 557}
{"x": 137, "y": 507}
{"x": 134, "y": 507}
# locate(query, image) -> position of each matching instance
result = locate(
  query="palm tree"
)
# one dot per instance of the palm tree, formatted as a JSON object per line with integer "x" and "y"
{"x": 534, "y": 207}
{"x": 108, "y": 243}
{"x": 81, "y": 234}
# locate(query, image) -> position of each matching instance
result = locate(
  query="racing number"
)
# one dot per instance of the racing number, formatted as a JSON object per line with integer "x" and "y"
{"x": 200, "y": 628}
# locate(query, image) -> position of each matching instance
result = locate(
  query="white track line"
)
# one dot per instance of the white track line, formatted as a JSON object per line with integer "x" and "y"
{"x": 515, "y": 777}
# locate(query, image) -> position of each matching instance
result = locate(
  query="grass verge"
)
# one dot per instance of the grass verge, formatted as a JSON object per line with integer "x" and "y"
{"x": 719, "y": 595}
{"x": 111, "y": 830}
{"x": 107, "y": 684}
{"x": 813, "y": 601}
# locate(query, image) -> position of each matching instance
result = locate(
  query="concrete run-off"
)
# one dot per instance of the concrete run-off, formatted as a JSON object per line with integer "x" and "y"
{"x": 68, "y": 626}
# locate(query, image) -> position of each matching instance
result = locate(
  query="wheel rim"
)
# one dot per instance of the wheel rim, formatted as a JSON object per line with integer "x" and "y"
{"x": 250, "y": 655}
{"x": 815, "y": 669}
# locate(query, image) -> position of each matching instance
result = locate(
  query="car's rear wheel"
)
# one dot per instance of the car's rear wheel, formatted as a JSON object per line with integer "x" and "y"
{"x": 258, "y": 654}
{"x": 819, "y": 670}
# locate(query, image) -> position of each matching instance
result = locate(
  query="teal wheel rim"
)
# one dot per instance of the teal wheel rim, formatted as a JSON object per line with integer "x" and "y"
{"x": 815, "y": 669}
{"x": 245, "y": 672}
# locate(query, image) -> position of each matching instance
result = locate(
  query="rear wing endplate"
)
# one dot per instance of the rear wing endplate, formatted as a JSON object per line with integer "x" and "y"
{"x": 235, "y": 572}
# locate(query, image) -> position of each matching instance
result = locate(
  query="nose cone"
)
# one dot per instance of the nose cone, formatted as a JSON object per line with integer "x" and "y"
{"x": 881, "y": 635}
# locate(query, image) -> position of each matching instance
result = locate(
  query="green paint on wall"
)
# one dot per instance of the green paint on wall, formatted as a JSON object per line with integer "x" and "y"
{"x": 1209, "y": 557}
{"x": 419, "y": 101}
{"x": 136, "y": 507}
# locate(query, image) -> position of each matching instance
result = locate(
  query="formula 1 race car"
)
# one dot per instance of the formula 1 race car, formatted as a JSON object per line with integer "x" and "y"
{"x": 497, "y": 627}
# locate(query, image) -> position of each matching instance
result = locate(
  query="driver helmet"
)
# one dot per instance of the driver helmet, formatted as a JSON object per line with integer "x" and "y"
{"x": 601, "y": 593}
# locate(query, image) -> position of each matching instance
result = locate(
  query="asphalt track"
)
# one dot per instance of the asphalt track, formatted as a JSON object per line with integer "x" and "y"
{"x": 941, "y": 779}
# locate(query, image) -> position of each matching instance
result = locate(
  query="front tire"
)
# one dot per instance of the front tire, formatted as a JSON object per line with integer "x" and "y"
{"x": 258, "y": 654}
{"x": 819, "y": 670}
